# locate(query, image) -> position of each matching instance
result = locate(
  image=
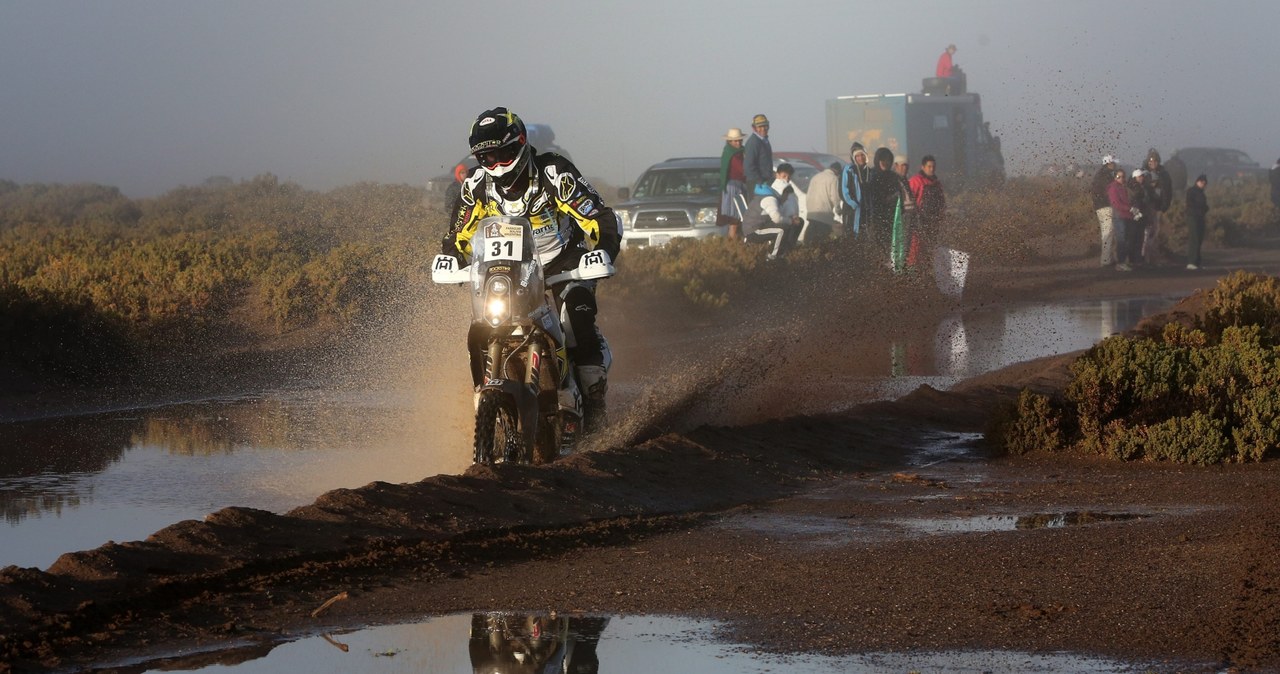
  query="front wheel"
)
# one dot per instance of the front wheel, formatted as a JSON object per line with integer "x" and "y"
{"x": 497, "y": 434}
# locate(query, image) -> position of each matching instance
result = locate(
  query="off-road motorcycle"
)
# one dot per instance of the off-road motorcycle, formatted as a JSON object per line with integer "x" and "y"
{"x": 527, "y": 400}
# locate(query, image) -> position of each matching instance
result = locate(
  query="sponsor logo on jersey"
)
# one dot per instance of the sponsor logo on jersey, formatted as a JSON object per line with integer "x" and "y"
{"x": 586, "y": 207}
{"x": 566, "y": 186}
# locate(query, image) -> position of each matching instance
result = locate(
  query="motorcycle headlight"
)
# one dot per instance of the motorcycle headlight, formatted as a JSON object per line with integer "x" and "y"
{"x": 706, "y": 217}
{"x": 497, "y": 304}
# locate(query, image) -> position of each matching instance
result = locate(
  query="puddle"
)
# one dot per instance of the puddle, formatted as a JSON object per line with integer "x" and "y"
{"x": 943, "y": 447}
{"x": 988, "y": 523}
{"x": 75, "y": 483}
{"x": 506, "y": 643}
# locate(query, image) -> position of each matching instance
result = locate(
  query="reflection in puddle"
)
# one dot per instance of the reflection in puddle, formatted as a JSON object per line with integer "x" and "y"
{"x": 74, "y": 483}
{"x": 507, "y": 643}
{"x": 984, "y": 523}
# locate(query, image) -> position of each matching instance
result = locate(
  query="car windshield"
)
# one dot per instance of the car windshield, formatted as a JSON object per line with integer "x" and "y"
{"x": 678, "y": 182}
{"x": 802, "y": 175}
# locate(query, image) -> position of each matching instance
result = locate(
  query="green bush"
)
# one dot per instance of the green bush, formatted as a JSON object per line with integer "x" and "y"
{"x": 1032, "y": 424}
{"x": 1182, "y": 395}
{"x": 706, "y": 273}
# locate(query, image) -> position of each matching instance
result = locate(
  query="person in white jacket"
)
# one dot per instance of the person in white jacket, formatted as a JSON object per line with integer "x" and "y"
{"x": 823, "y": 205}
{"x": 775, "y": 219}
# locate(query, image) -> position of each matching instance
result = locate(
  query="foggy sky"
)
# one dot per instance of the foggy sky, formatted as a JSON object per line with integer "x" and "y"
{"x": 148, "y": 95}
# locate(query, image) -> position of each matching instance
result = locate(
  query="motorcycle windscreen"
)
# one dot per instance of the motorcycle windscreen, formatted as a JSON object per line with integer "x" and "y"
{"x": 505, "y": 245}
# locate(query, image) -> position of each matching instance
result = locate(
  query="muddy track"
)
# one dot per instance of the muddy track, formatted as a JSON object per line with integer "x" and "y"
{"x": 245, "y": 572}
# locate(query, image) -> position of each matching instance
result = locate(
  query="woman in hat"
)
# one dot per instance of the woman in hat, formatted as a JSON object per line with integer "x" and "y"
{"x": 733, "y": 205}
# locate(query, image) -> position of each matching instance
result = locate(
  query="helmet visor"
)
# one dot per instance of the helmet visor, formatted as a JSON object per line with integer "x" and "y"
{"x": 500, "y": 156}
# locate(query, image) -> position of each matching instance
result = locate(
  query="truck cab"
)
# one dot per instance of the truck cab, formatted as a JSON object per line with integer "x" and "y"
{"x": 948, "y": 126}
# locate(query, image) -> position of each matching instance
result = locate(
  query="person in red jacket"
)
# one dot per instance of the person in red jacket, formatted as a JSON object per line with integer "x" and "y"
{"x": 930, "y": 205}
{"x": 945, "y": 68}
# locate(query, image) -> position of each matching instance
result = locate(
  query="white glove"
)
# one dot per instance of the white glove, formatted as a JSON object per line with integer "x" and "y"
{"x": 1137, "y": 214}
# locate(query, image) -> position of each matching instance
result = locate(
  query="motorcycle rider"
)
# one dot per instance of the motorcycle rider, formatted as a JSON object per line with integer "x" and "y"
{"x": 568, "y": 219}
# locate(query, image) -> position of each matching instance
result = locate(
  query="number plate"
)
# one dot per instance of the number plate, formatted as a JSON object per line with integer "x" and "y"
{"x": 503, "y": 241}
{"x": 659, "y": 239}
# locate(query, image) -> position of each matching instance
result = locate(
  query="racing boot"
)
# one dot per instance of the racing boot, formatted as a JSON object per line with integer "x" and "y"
{"x": 594, "y": 380}
{"x": 570, "y": 403}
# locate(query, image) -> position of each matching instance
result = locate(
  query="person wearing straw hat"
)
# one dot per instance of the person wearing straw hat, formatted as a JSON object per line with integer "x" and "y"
{"x": 733, "y": 203}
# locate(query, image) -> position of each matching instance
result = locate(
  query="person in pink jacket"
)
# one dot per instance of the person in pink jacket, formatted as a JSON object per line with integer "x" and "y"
{"x": 1124, "y": 216}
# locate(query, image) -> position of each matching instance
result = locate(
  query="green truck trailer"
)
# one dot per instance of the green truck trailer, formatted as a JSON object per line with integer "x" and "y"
{"x": 948, "y": 126}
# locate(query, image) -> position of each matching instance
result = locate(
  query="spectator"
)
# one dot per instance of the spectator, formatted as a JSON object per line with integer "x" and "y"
{"x": 823, "y": 204}
{"x": 905, "y": 228}
{"x": 757, "y": 159}
{"x": 945, "y": 67}
{"x": 902, "y": 167}
{"x": 1275, "y": 184}
{"x": 1197, "y": 209}
{"x": 882, "y": 201}
{"x": 1107, "y": 235}
{"x": 852, "y": 194}
{"x": 931, "y": 205}
{"x": 1140, "y": 208}
{"x": 1160, "y": 191}
{"x": 453, "y": 193}
{"x": 766, "y": 221}
{"x": 789, "y": 207}
{"x": 1124, "y": 215}
{"x": 733, "y": 190}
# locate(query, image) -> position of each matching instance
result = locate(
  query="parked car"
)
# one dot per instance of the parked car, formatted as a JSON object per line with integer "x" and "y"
{"x": 675, "y": 198}
{"x": 1221, "y": 165}
{"x": 818, "y": 160}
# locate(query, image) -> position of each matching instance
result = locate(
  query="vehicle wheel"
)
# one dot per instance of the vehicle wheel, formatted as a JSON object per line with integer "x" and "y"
{"x": 496, "y": 432}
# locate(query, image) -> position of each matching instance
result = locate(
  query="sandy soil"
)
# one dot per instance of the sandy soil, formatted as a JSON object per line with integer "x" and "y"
{"x": 806, "y": 533}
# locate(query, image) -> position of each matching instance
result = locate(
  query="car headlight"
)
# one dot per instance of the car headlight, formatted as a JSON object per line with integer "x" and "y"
{"x": 626, "y": 216}
{"x": 706, "y": 217}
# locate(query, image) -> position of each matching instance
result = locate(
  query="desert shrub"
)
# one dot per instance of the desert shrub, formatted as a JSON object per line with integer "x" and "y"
{"x": 1241, "y": 299}
{"x": 50, "y": 336}
{"x": 706, "y": 273}
{"x": 1196, "y": 439}
{"x": 1031, "y": 424}
{"x": 172, "y": 268}
{"x": 1177, "y": 396}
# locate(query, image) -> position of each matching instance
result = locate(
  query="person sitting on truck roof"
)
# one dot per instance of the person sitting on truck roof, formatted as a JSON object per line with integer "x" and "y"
{"x": 945, "y": 67}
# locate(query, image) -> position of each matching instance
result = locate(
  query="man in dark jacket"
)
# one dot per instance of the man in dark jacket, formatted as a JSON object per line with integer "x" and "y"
{"x": 1102, "y": 209}
{"x": 882, "y": 191}
{"x": 1160, "y": 186}
{"x": 757, "y": 158}
{"x": 1197, "y": 209}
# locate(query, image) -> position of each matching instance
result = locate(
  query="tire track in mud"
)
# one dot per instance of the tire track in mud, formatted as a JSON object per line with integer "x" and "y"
{"x": 1254, "y": 625}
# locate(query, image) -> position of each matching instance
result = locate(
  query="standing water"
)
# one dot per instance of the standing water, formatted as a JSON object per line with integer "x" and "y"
{"x": 75, "y": 483}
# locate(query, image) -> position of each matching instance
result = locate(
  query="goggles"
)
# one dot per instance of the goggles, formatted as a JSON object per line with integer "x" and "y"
{"x": 500, "y": 156}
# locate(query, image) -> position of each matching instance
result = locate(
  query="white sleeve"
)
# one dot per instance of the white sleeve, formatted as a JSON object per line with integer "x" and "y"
{"x": 770, "y": 207}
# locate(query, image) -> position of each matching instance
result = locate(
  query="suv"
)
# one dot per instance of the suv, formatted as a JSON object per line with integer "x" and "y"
{"x": 1222, "y": 165}
{"x": 672, "y": 199}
